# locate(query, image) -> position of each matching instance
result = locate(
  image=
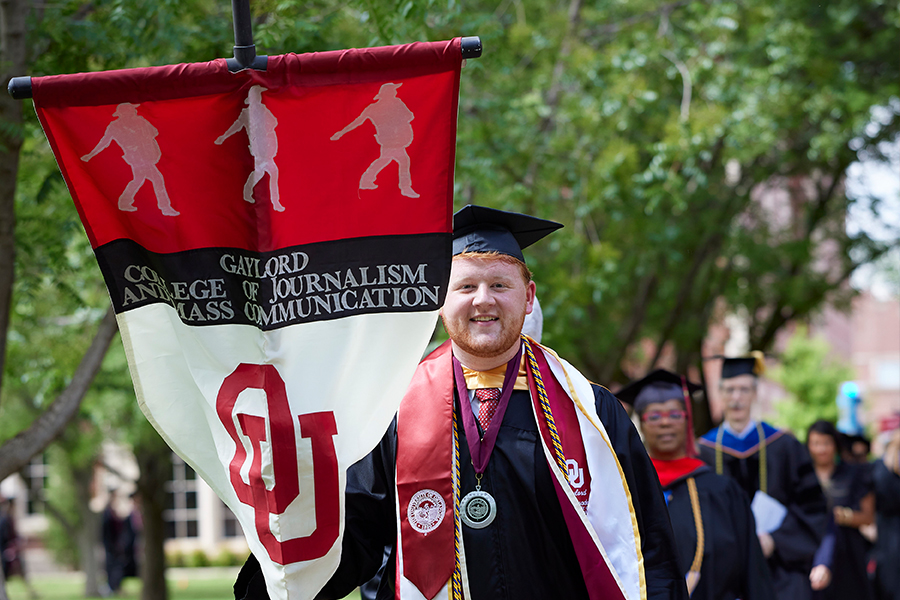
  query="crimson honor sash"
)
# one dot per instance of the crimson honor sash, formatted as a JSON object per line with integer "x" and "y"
{"x": 276, "y": 246}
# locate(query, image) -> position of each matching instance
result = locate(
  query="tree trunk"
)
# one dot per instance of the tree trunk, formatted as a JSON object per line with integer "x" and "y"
{"x": 12, "y": 59}
{"x": 88, "y": 536}
{"x": 155, "y": 463}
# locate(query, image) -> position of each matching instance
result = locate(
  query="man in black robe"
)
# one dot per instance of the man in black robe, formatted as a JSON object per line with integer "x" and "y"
{"x": 769, "y": 464}
{"x": 715, "y": 532}
{"x": 531, "y": 543}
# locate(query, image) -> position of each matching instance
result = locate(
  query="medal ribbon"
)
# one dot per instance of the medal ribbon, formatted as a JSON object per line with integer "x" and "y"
{"x": 481, "y": 448}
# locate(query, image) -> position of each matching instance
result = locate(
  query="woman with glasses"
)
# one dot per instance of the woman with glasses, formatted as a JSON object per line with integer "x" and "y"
{"x": 715, "y": 534}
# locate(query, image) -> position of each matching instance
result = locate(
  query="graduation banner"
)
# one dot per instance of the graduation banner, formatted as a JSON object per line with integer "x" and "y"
{"x": 276, "y": 246}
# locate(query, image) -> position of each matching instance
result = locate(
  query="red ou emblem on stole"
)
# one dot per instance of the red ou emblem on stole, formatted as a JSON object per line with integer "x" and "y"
{"x": 319, "y": 427}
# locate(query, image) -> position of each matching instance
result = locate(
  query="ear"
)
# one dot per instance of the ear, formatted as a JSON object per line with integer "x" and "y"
{"x": 530, "y": 291}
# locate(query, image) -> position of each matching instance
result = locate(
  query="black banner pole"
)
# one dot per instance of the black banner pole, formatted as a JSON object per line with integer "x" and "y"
{"x": 244, "y": 49}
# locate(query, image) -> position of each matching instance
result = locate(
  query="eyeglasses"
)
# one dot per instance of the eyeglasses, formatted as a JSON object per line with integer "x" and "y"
{"x": 742, "y": 390}
{"x": 656, "y": 416}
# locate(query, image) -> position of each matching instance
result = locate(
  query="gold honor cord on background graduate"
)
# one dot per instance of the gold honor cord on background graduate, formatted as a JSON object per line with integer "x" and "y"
{"x": 693, "y": 575}
{"x": 263, "y": 234}
{"x": 763, "y": 479}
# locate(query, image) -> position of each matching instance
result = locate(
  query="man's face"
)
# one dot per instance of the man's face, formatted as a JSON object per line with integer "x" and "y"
{"x": 665, "y": 429}
{"x": 738, "y": 394}
{"x": 486, "y": 305}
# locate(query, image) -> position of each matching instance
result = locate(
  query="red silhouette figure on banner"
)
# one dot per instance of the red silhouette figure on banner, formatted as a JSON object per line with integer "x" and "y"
{"x": 394, "y": 134}
{"x": 137, "y": 138}
{"x": 260, "y": 124}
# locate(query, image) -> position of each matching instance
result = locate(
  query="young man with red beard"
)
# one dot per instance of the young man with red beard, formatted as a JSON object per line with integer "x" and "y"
{"x": 506, "y": 474}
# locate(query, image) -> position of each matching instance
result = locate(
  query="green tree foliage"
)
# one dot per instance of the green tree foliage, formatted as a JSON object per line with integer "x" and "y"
{"x": 651, "y": 129}
{"x": 812, "y": 380}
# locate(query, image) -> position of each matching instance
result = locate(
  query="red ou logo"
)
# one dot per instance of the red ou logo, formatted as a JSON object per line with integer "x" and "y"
{"x": 319, "y": 427}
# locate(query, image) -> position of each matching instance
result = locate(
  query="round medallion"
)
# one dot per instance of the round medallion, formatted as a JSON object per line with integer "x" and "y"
{"x": 478, "y": 509}
{"x": 426, "y": 511}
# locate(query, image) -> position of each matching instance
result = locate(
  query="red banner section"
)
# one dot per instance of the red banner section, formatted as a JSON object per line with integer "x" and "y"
{"x": 318, "y": 147}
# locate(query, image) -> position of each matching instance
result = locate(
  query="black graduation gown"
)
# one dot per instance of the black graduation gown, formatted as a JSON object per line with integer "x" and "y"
{"x": 848, "y": 548}
{"x": 887, "y": 546}
{"x": 733, "y": 565}
{"x": 792, "y": 481}
{"x": 526, "y": 552}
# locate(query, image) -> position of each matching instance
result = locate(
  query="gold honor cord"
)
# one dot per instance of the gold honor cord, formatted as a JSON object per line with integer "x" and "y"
{"x": 693, "y": 576}
{"x": 557, "y": 449}
{"x": 545, "y": 406}
{"x": 456, "y": 590}
{"x": 763, "y": 476}
{"x": 763, "y": 479}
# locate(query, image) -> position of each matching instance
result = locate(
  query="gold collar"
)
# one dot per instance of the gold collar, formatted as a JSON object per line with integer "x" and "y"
{"x": 493, "y": 378}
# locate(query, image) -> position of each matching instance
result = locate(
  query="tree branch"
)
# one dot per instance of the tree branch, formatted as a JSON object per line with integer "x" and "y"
{"x": 16, "y": 453}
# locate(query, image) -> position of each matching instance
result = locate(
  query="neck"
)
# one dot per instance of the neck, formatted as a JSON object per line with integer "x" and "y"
{"x": 480, "y": 363}
{"x": 738, "y": 425}
{"x": 824, "y": 472}
{"x": 674, "y": 455}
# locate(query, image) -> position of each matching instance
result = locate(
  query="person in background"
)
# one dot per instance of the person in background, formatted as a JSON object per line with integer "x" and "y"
{"x": 111, "y": 529}
{"x": 886, "y": 478}
{"x": 11, "y": 545}
{"x": 130, "y": 543}
{"x": 776, "y": 473}
{"x": 855, "y": 449}
{"x": 715, "y": 533}
{"x": 851, "y": 503}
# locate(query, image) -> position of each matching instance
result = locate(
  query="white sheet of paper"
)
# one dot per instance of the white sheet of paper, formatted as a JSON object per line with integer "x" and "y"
{"x": 768, "y": 512}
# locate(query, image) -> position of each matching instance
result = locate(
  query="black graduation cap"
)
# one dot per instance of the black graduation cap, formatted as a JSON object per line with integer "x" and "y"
{"x": 656, "y": 387}
{"x": 482, "y": 229}
{"x": 745, "y": 365}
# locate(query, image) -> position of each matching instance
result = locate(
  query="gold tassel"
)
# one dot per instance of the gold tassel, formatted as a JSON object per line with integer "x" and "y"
{"x": 760, "y": 367}
{"x": 692, "y": 579}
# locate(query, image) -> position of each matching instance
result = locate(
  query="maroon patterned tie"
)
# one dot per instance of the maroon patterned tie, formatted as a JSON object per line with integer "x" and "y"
{"x": 489, "y": 399}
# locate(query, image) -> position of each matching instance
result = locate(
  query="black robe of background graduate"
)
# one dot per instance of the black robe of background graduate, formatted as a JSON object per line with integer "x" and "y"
{"x": 887, "y": 546}
{"x": 733, "y": 565}
{"x": 526, "y": 552}
{"x": 847, "y": 548}
{"x": 792, "y": 481}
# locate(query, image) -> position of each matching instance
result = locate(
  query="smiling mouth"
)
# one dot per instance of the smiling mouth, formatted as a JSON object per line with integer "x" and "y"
{"x": 483, "y": 319}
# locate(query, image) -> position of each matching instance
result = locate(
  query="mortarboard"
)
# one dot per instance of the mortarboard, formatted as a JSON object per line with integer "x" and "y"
{"x": 661, "y": 386}
{"x": 656, "y": 387}
{"x": 482, "y": 229}
{"x": 746, "y": 365}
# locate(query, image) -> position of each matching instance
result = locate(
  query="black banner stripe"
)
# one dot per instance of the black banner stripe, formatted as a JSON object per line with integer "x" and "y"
{"x": 300, "y": 284}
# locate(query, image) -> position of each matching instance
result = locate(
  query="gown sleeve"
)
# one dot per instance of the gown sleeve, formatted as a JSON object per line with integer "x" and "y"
{"x": 370, "y": 520}
{"x": 825, "y": 554}
{"x": 758, "y": 583}
{"x": 798, "y": 538}
{"x": 664, "y": 581}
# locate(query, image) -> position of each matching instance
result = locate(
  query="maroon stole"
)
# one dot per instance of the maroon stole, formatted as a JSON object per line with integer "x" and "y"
{"x": 426, "y": 413}
{"x": 600, "y": 582}
{"x": 424, "y": 466}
